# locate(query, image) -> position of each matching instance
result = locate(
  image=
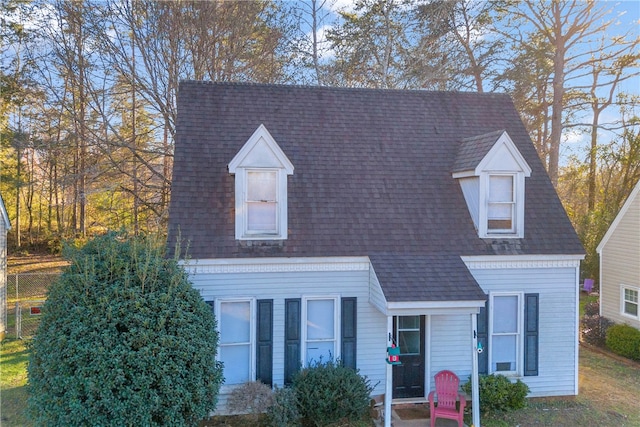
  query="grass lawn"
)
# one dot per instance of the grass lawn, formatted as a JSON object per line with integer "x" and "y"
{"x": 13, "y": 380}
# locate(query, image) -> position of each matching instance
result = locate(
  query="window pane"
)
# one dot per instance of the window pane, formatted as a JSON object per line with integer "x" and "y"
{"x": 409, "y": 322}
{"x": 261, "y": 186}
{"x": 317, "y": 351}
{"x": 631, "y": 308}
{"x": 261, "y": 216}
{"x": 504, "y": 353}
{"x": 236, "y": 363}
{"x": 320, "y": 318}
{"x": 630, "y": 295}
{"x": 501, "y": 189}
{"x": 409, "y": 342}
{"x": 500, "y": 211}
{"x": 505, "y": 314}
{"x": 234, "y": 322}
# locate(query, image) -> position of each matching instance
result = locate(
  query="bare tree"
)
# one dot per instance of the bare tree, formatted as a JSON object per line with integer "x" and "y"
{"x": 567, "y": 27}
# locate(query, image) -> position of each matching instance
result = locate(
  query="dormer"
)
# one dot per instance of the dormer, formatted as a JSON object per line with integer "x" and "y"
{"x": 261, "y": 169}
{"x": 492, "y": 172}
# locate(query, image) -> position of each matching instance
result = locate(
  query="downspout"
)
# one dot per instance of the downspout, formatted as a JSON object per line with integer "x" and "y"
{"x": 475, "y": 387}
{"x": 388, "y": 392}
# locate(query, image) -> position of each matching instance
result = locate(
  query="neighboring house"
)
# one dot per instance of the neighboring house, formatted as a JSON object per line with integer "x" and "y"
{"x": 5, "y": 225}
{"x": 619, "y": 253}
{"x": 330, "y": 222}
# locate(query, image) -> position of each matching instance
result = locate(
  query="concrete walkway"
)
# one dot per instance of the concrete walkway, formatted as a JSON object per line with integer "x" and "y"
{"x": 396, "y": 421}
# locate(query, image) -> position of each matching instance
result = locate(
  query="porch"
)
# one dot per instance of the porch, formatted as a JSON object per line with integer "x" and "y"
{"x": 411, "y": 414}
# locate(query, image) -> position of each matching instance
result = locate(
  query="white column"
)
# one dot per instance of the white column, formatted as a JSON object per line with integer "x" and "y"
{"x": 388, "y": 392}
{"x": 475, "y": 387}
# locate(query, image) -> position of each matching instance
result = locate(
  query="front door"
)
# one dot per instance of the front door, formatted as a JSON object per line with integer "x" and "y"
{"x": 408, "y": 378}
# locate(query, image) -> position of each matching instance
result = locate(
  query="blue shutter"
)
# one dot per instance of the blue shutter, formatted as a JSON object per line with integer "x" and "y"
{"x": 348, "y": 331}
{"x": 292, "y": 325}
{"x": 531, "y": 334}
{"x": 264, "y": 338}
{"x": 483, "y": 338}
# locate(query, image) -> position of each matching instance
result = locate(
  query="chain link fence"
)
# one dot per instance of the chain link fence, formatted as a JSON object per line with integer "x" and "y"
{"x": 26, "y": 293}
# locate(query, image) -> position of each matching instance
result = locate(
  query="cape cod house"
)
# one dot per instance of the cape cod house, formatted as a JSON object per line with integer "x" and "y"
{"x": 619, "y": 253}
{"x": 332, "y": 222}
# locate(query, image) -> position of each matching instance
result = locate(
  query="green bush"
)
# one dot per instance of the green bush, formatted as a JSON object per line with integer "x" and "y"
{"x": 624, "y": 340}
{"x": 284, "y": 411}
{"x": 497, "y": 393}
{"x": 124, "y": 340}
{"x": 328, "y": 392}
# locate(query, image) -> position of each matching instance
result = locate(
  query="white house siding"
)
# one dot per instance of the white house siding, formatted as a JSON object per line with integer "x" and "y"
{"x": 449, "y": 345}
{"x": 557, "y": 339}
{"x": 471, "y": 190}
{"x": 620, "y": 263}
{"x": 371, "y": 323}
{"x": 3, "y": 276}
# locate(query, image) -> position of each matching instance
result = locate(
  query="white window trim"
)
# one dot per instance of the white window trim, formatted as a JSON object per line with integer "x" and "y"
{"x": 336, "y": 325}
{"x": 622, "y": 301}
{"x": 518, "y": 215}
{"x": 518, "y": 372}
{"x": 252, "y": 333}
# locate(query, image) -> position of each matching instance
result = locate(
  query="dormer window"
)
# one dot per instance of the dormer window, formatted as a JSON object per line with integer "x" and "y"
{"x": 492, "y": 172}
{"x": 501, "y": 207}
{"x": 261, "y": 169}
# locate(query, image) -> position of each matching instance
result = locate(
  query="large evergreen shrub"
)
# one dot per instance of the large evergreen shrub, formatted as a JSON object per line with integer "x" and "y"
{"x": 124, "y": 340}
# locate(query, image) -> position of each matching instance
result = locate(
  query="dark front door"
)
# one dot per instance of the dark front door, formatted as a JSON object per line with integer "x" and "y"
{"x": 408, "y": 378}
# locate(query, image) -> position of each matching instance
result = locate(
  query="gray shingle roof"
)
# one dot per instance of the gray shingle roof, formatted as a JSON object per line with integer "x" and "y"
{"x": 472, "y": 150}
{"x": 372, "y": 175}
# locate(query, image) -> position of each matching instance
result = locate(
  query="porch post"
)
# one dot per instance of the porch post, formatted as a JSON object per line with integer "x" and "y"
{"x": 388, "y": 392}
{"x": 475, "y": 387}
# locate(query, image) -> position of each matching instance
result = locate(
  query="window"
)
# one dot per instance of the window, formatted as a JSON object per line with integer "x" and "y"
{"x": 408, "y": 335}
{"x": 508, "y": 330}
{"x": 315, "y": 328}
{"x": 261, "y": 169}
{"x": 262, "y": 202}
{"x": 505, "y": 333}
{"x": 236, "y": 340}
{"x": 320, "y": 330}
{"x": 501, "y": 204}
{"x": 630, "y": 301}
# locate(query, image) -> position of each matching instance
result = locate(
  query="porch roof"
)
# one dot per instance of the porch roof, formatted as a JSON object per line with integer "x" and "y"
{"x": 429, "y": 278}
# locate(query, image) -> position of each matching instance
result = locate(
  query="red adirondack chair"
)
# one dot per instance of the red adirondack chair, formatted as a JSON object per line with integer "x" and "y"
{"x": 446, "y": 392}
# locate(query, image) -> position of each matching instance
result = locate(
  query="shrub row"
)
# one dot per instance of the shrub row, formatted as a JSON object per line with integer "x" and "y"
{"x": 323, "y": 394}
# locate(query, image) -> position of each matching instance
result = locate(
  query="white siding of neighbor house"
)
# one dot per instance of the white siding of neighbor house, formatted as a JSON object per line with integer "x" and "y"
{"x": 5, "y": 225}
{"x": 557, "y": 339}
{"x": 620, "y": 262}
{"x": 3, "y": 276}
{"x": 371, "y": 323}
